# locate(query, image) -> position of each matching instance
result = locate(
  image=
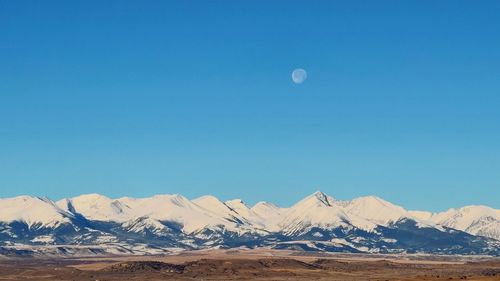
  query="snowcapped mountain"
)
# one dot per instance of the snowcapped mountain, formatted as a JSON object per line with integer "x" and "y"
{"x": 247, "y": 213}
{"x": 476, "y": 220}
{"x": 318, "y": 222}
{"x": 320, "y": 210}
{"x": 219, "y": 208}
{"x": 176, "y": 208}
{"x": 96, "y": 207}
{"x": 375, "y": 210}
{"x": 34, "y": 211}
{"x": 271, "y": 214}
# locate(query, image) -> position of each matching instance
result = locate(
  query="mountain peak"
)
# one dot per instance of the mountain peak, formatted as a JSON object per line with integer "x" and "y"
{"x": 209, "y": 202}
{"x": 32, "y": 210}
{"x": 319, "y": 193}
{"x": 96, "y": 207}
{"x": 176, "y": 199}
{"x": 214, "y": 205}
{"x": 264, "y": 204}
{"x": 375, "y": 209}
{"x": 373, "y": 200}
{"x": 236, "y": 203}
{"x": 90, "y": 197}
{"x": 320, "y": 198}
{"x": 207, "y": 198}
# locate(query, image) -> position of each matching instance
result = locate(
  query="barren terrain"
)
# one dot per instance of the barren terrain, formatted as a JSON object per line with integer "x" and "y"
{"x": 253, "y": 265}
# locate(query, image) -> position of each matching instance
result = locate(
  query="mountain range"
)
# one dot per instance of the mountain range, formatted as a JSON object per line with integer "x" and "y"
{"x": 94, "y": 224}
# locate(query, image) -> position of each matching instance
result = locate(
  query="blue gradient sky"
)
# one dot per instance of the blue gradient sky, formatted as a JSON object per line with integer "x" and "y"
{"x": 137, "y": 98}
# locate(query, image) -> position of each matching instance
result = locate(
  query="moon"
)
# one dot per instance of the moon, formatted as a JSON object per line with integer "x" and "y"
{"x": 299, "y": 75}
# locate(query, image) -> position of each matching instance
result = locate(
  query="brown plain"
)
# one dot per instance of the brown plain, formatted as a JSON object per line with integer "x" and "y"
{"x": 259, "y": 264}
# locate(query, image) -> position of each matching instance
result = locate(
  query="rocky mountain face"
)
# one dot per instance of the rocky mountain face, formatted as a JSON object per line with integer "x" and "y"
{"x": 95, "y": 224}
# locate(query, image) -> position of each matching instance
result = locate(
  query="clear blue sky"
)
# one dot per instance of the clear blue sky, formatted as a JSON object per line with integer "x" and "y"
{"x": 138, "y": 98}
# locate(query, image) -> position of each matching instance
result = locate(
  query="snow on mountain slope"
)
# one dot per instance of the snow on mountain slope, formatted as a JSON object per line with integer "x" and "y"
{"x": 267, "y": 210}
{"x": 320, "y": 210}
{"x": 243, "y": 210}
{"x": 421, "y": 215}
{"x": 209, "y": 213}
{"x": 273, "y": 214}
{"x": 486, "y": 226}
{"x": 33, "y": 211}
{"x": 476, "y": 220}
{"x": 375, "y": 210}
{"x": 219, "y": 208}
{"x": 143, "y": 224}
{"x": 96, "y": 207}
{"x": 178, "y": 209}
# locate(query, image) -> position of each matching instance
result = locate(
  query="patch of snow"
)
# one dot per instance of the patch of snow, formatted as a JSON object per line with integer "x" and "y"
{"x": 46, "y": 239}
